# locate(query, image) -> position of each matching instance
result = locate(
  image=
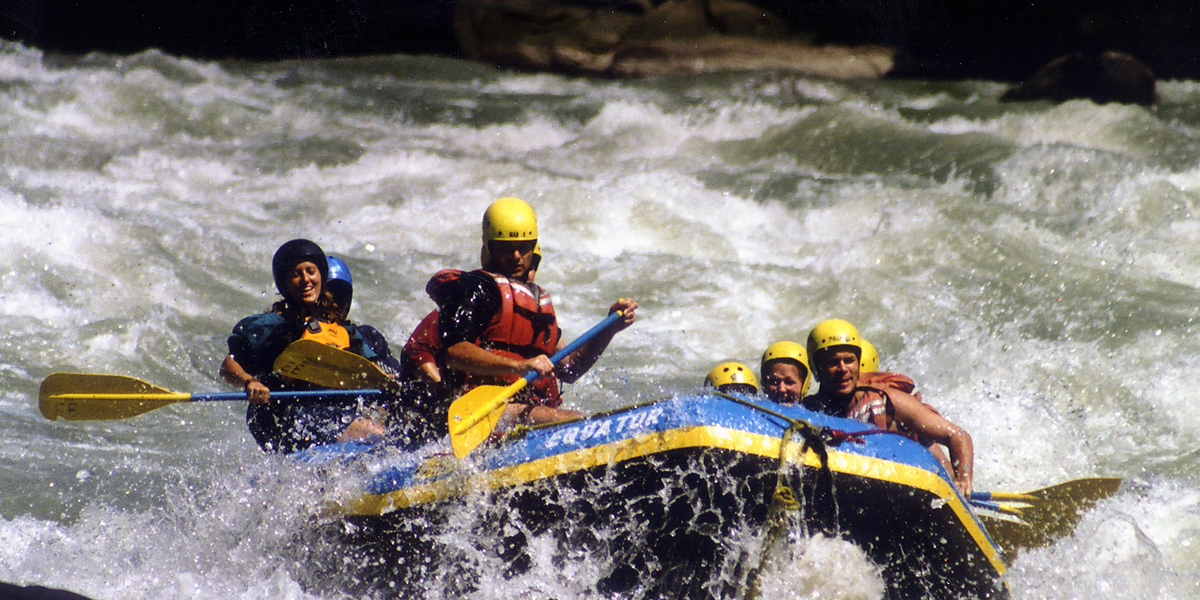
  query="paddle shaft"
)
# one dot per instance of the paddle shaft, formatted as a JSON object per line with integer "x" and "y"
{"x": 987, "y": 496}
{"x": 486, "y": 409}
{"x": 94, "y": 396}
{"x": 214, "y": 396}
{"x": 579, "y": 341}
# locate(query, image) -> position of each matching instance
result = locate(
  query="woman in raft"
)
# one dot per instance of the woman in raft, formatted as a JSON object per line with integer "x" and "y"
{"x": 307, "y": 310}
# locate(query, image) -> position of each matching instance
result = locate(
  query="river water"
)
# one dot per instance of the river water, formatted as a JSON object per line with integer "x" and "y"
{"x": 1033, "y": 267}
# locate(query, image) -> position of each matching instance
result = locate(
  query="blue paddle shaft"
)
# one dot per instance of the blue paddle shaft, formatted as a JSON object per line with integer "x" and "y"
{"x": 284, "y": 395}
{"x": 579, "y": 341}
{"x": 984, "y": 503}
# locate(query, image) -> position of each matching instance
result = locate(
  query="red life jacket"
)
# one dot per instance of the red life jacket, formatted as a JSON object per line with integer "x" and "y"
{"x": 523, "y": 327}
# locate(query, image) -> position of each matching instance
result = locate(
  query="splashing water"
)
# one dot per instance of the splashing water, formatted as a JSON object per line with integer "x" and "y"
{"x": 1028, "y": 265}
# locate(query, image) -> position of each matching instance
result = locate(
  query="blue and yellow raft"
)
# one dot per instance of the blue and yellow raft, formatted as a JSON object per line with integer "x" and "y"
{"x": 672, "y": 482}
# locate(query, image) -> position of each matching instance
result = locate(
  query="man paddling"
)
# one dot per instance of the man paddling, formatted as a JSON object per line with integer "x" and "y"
{"x": 835, "y": 348}
{"x": 496, "y": 325}
{"x": 418, "y": 360}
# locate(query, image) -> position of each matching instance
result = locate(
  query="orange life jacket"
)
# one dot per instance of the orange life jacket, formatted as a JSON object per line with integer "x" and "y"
{"x": 325, "y": 332}
{"x": 524, "y": 326}
{"x": 526, "y": 322}
{"x": 897, "y": 381}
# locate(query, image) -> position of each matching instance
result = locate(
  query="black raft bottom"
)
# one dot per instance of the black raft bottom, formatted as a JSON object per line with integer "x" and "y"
{"x": 688, "y": 524}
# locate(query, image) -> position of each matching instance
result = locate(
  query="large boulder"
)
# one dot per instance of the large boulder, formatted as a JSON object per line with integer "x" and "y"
{"x": 1105, "y": 77}
{"x": 636, "y": 37}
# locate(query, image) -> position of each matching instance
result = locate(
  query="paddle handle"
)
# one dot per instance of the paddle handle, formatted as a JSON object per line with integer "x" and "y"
{"x": 579, "y": 341}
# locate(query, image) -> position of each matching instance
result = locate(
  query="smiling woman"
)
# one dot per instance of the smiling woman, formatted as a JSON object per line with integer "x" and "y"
{"x": 308, "y": 310}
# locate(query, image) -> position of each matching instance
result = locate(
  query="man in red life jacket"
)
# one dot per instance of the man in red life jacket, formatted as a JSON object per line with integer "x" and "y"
{"x": 495, "y": 324}
{"x": 835, "y": 348}
{"x": 420, "y": 374}
{"x": 418, "y": 360}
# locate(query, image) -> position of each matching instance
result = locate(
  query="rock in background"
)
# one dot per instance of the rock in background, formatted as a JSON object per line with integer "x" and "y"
{"x": 639, "y": 38}
{"x": 998, "y": 39}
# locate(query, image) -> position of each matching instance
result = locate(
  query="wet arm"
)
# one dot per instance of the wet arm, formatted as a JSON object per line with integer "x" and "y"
{"x": 931, "y": 426}
{"x": 430, "y": 372}
{"x": 234, "y": 374}
{"x": 580, "y": 361}
{"x": 470, "y": 358}
{"x": 524, "y": 414}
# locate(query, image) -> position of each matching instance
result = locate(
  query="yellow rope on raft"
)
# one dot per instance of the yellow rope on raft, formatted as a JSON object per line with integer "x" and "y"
{"x": 786, "y": 506}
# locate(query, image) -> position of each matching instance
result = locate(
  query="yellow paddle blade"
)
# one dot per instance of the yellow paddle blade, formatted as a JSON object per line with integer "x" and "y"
{"x": 89, "y": 397}
{"x": 475, "y": 414}
{"x": 1047, "y": 514}
{"x": 326, "y": 366}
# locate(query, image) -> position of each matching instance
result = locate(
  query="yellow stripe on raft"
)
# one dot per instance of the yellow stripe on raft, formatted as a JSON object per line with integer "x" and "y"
{"x": 446, "y": 481}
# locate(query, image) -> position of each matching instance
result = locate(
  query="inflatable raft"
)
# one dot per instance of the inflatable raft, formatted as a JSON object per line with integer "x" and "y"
{"x": 685, "y": 497}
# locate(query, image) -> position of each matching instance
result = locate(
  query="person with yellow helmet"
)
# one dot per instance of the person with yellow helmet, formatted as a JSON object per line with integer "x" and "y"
{"x": 732, "y": 377}
{"x": 496, "y": 324}
{"x": 419, "y": 370}
{"x": 785, "y": 372}
{"x": 835, "y": 349}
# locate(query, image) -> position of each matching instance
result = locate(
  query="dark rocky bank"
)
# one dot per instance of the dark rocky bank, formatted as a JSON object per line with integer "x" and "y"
{"x": 998, "y": 39}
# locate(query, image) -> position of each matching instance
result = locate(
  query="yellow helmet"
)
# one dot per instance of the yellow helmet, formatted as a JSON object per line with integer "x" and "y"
{"x": 830, "y": 333}
{"x": 869, "y": 361}
{"x": 537, "y": 256}
{"x": 732, "y": 376}
{"x": 792, "y": 352}
{"x": 507, "y": 219}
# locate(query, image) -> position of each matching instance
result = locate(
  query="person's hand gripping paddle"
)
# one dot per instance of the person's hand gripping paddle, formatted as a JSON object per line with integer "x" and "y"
{"x": 475, "y": 414}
